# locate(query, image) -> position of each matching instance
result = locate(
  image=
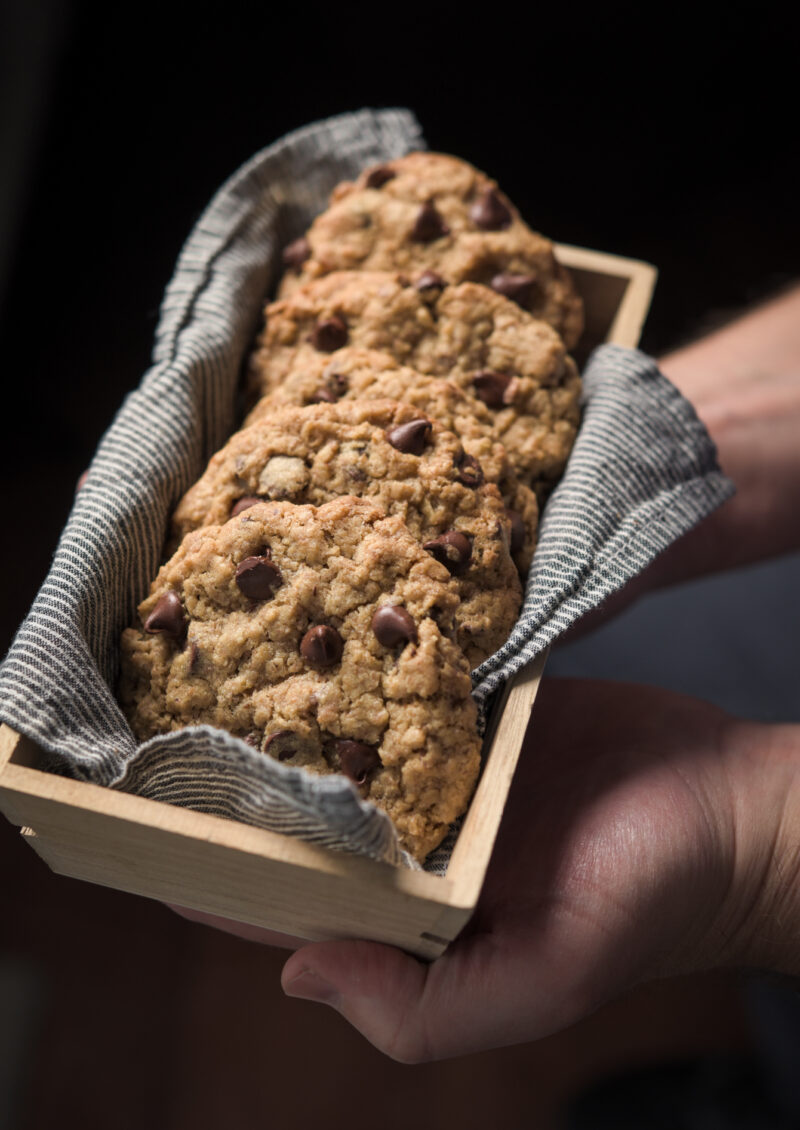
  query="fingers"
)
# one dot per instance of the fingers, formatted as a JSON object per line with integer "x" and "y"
{"x": 478, "y": 995}
{"x": 377, "y": 988}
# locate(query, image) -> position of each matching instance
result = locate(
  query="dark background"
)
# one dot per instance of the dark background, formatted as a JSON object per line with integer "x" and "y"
{"x": 655, "y": 132}
{"x": 644, "y": 132}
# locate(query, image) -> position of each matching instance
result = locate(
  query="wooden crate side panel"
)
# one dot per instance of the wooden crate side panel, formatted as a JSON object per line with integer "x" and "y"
{"x": 476, "y": 840}
{"x": 227, "y": 881}
{"x": 627, "y": 326}
{"x": 13, "y": 746}
{"x": 177, "y": 855}
{"x": 19, "y": 783}
{"x": 616, "y": 293}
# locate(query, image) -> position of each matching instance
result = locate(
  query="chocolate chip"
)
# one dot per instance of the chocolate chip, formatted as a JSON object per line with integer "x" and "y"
{"x": 281, "y": 744}
{"x": 469, "y": 471}
{"x": 410, "y": 438}
{"x": 429, "y": 280}
{"x": 429, "y": 225}
{"x": 168, "y": 617}
{"x": 436, "y": 613}
{"x": 194, "y": 657}
{"x": 490, "y": 212}
{"x": 358, "y": 760}
{"x": 245, "y": 504}
{"x": 323, "y": 395}
{"x": 491, "y": 387}
{"x": 393, "y": 625}
{"x": 296, "y": 253}
{"x": 378, "y": 177}
{"x": 322, "y": 646}
{"x": 336, "y": 381}
{"x": 334, "y": 388}
{"x": 519, "y": 288}
{"x": 518, "y": 531}
{"x": 452, "y": 549}
{"x": 258, "y": 577}
{"x": 329, "y": 334}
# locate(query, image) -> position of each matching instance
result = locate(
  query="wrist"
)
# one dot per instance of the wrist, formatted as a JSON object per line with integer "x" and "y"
{"x": 759, "y": 923}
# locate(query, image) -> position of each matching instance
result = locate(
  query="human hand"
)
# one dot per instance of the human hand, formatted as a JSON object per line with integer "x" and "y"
{"x": 644, "y": 837}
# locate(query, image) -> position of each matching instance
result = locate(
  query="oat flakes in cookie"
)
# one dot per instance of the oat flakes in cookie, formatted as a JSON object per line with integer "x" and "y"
{"x": 514, "y": 363}
{"x": 405, "y": 463}
{"x": 364, "y": 374}
{"x": 322, "y": 637}
{"x": 429, "y": 212}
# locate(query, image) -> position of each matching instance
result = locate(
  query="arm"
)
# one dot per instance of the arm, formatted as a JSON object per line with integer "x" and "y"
{"x": 744, "y": 381}
{"x": 664, "y": 844}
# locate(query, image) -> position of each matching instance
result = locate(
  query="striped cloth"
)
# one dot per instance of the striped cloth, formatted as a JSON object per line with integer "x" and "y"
{"x": 642, "y": 473}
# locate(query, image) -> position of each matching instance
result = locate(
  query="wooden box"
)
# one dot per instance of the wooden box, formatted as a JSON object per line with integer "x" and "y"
{"x": 229, "y": 869}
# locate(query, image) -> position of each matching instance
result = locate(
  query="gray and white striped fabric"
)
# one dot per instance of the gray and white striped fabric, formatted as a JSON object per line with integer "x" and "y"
{"x": 642, "y": 473}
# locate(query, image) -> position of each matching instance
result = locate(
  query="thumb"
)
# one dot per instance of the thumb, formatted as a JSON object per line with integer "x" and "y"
{"x": 377, "y": 988}
{"x": 485, "y": 992}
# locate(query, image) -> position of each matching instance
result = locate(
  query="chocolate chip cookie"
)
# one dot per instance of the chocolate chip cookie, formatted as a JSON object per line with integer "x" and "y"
{"x": 514, "y": 363}
{"x": 321, "y": 637}
{"x": 429, "y": 212}
{"x": 403, "y": 461}
{"x": 365, "y": 374}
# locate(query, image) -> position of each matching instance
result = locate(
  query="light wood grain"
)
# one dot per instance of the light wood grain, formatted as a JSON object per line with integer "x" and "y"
{"x": 473, "y": 849}
{"x": 220, "y": 866}
{"x": 250, "y": 875}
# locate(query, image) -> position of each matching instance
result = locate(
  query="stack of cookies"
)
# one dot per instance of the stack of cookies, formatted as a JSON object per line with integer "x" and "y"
{"x": 360, "y": 545}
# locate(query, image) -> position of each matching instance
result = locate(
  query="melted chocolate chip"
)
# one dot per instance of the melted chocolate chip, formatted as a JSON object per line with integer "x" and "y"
{"x": 322, "y": 646}
{"x": 517, "y": 530}
{"x": 490, "y": 212}
{"x": 452, "y": 549}
{"x": 334, "y": 388}
{"x": 323, "y": 395}
{"x": 245, "y": 504}
{"x": 378, "y": 177}
{"x": 393, "y": 625}
{"x": 258, "y": 577}
{"x": 519, "y": 288}
{"x": 429, "y": 280}
{"x": 168, "y": 617}
{"x": 296, "y": 253}
{"x": 410, "y": 438}
{"x": 429, "y": 225}
{"x": 281, "y": 744}
{"x": 491, "y": 387}
{"x": 337, "y": 381}
{"x": 469, "y": 471}
{"x": 329, "y": 334}
{"x": 358, "y": 760}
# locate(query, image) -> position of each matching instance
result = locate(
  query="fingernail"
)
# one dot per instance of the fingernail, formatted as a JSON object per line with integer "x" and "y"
{"x": 311, "y": 987}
